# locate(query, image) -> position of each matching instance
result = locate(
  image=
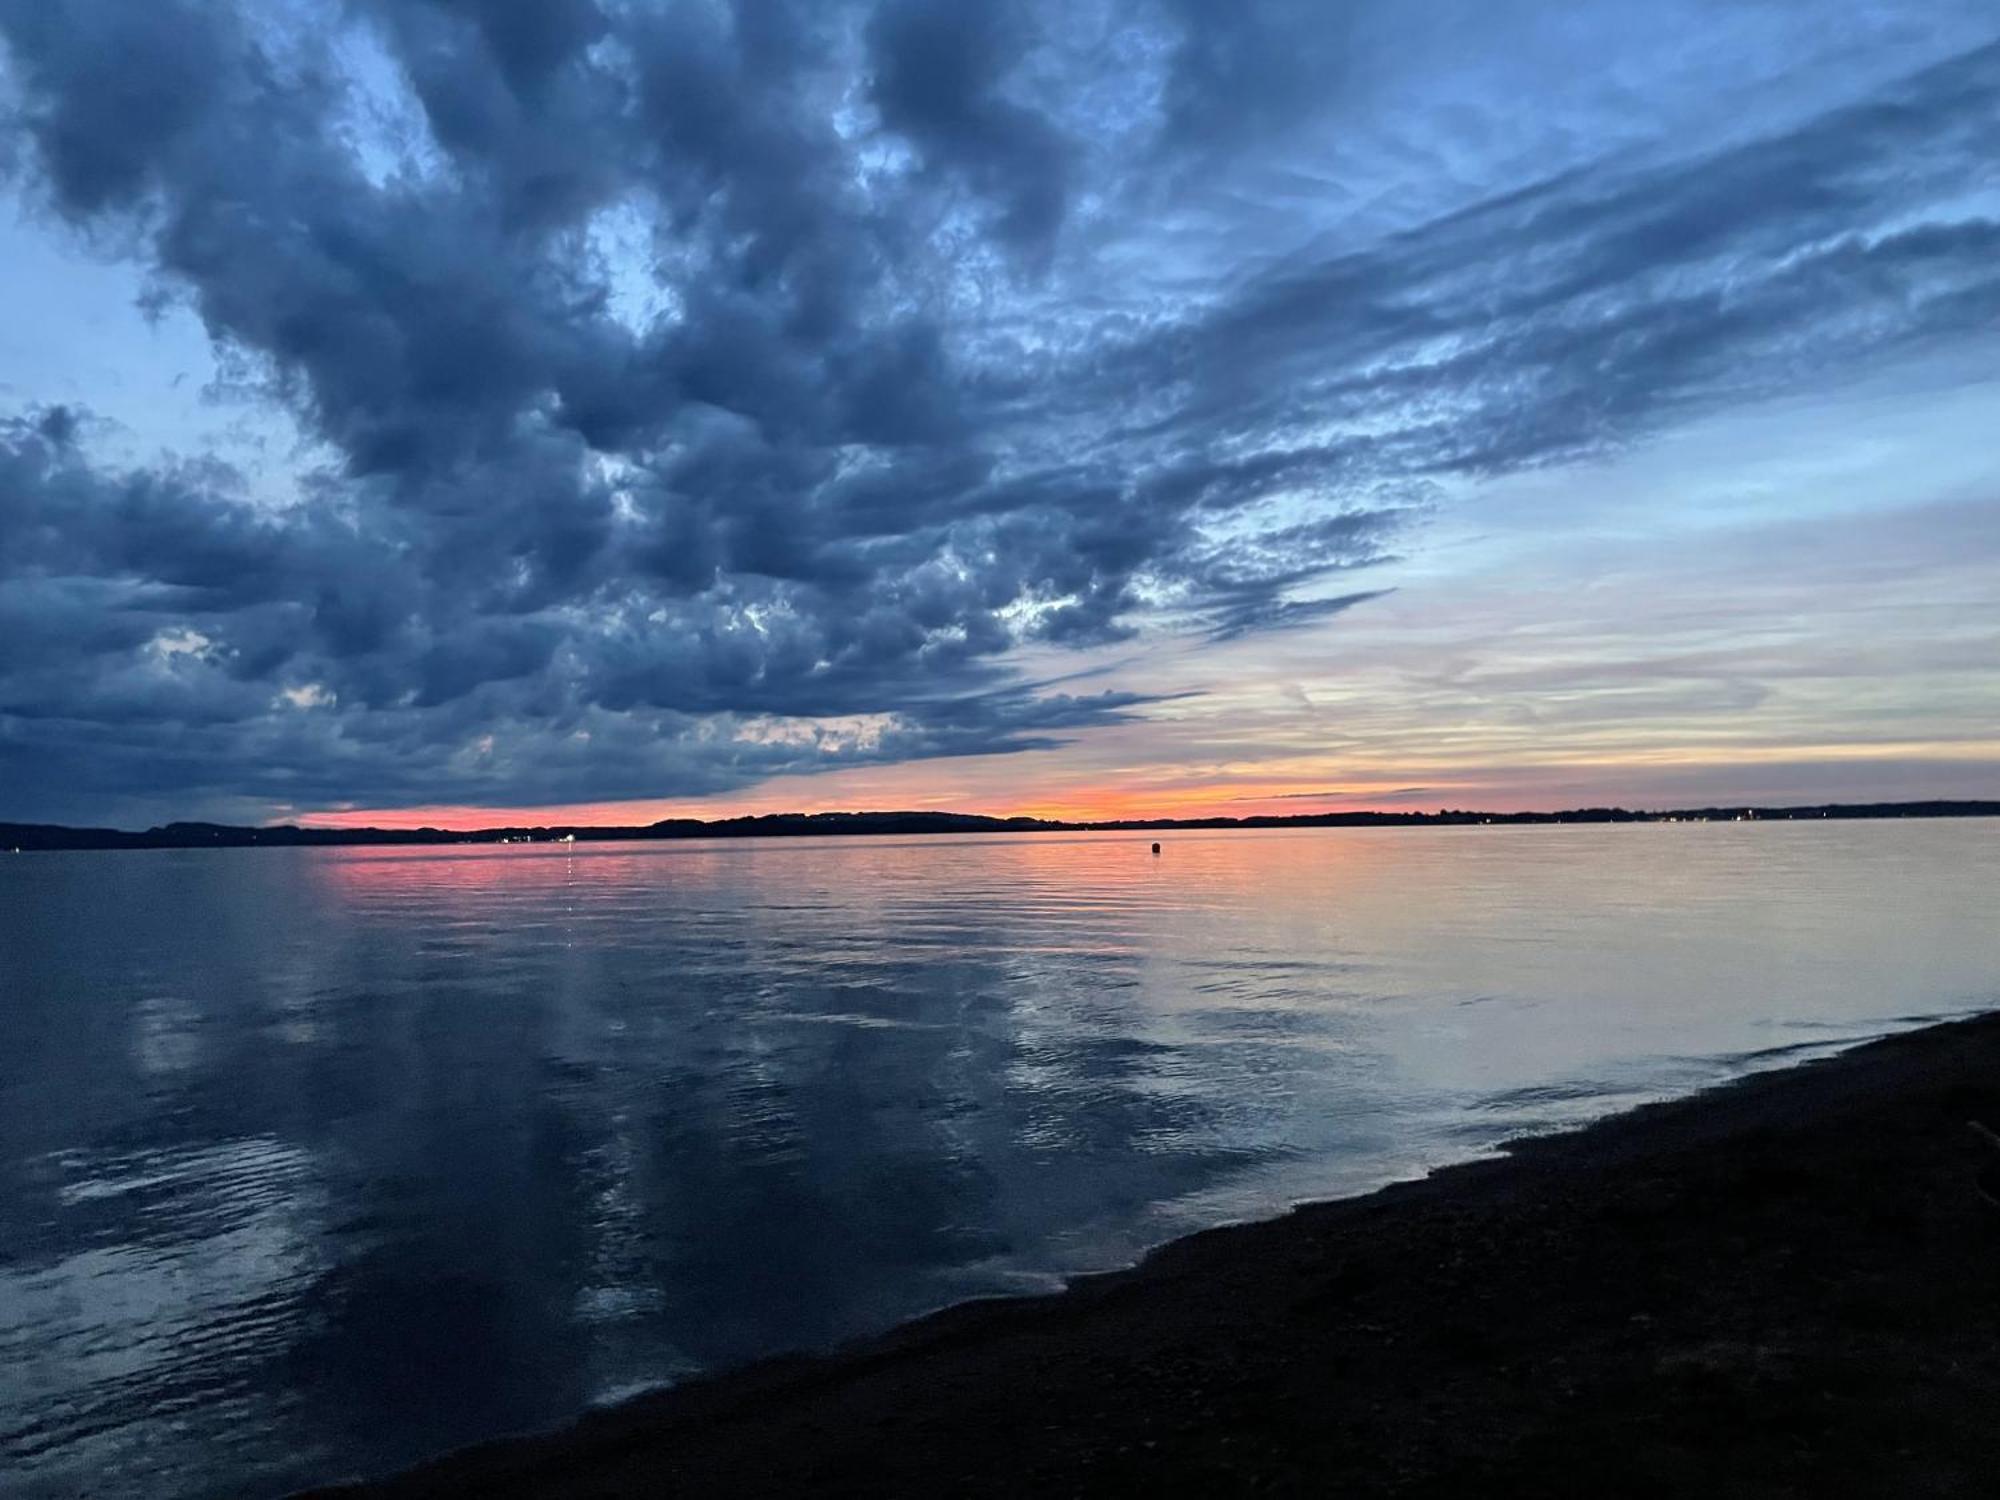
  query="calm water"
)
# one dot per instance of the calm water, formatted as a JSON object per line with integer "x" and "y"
{"x": 316, "y": 1162}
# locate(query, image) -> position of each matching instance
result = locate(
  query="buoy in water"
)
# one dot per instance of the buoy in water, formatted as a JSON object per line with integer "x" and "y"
{"x": 1156, "y": 848}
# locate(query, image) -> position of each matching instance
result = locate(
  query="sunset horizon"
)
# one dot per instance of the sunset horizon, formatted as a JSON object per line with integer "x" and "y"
{"x": 1085, "y": 809}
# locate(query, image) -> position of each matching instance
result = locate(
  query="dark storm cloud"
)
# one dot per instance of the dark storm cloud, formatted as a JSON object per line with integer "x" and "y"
{"x": 937, "y": 68}
{"x": 1241, "y": 69}
{"x": 708, "y": 391}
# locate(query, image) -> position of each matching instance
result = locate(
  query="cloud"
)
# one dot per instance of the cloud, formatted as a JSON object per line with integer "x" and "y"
{"x": 935, "y": 73}
{"x": 673, "y": 372}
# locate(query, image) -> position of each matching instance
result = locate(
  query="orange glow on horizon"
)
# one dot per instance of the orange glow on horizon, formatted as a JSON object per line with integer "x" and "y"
{"x": 1084, "y": 804}
{"x": 1008, "y": 786}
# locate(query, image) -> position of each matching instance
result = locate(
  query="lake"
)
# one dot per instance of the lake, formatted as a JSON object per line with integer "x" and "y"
{"x": 316, "y": 1162}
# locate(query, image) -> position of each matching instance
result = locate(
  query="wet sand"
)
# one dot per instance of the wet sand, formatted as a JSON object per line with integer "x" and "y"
{"x": 1789, "y": 1286}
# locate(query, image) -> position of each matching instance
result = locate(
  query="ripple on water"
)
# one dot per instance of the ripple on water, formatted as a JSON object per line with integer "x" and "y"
{"x": 312, "y": 1162}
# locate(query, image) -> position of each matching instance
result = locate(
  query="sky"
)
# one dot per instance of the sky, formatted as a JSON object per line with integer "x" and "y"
{"x": 480, "y": 411}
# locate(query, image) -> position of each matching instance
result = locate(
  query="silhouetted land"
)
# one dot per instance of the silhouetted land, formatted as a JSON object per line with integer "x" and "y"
{"x": 809, "y": 825}
{"x": 1784, "y": 1287}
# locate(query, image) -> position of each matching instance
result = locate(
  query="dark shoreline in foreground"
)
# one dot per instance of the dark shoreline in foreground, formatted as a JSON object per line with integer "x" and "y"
{"x": 1786, "y": 1286}
{"x": 21, "y": 837}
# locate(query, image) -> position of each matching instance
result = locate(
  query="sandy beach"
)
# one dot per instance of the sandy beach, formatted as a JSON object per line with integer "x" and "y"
{"x": 1786, "y": 1286}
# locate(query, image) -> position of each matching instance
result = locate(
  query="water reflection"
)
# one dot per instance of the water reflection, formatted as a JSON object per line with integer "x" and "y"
{"x": 314, "y": 1162}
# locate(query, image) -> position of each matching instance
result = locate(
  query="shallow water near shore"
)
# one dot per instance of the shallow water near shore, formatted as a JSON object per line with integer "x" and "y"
{"x": 315, "y": 1162}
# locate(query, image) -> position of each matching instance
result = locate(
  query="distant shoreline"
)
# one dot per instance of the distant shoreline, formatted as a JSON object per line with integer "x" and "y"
{"x": 1783, "y": 1285}
{"x": 26, "y": 837}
